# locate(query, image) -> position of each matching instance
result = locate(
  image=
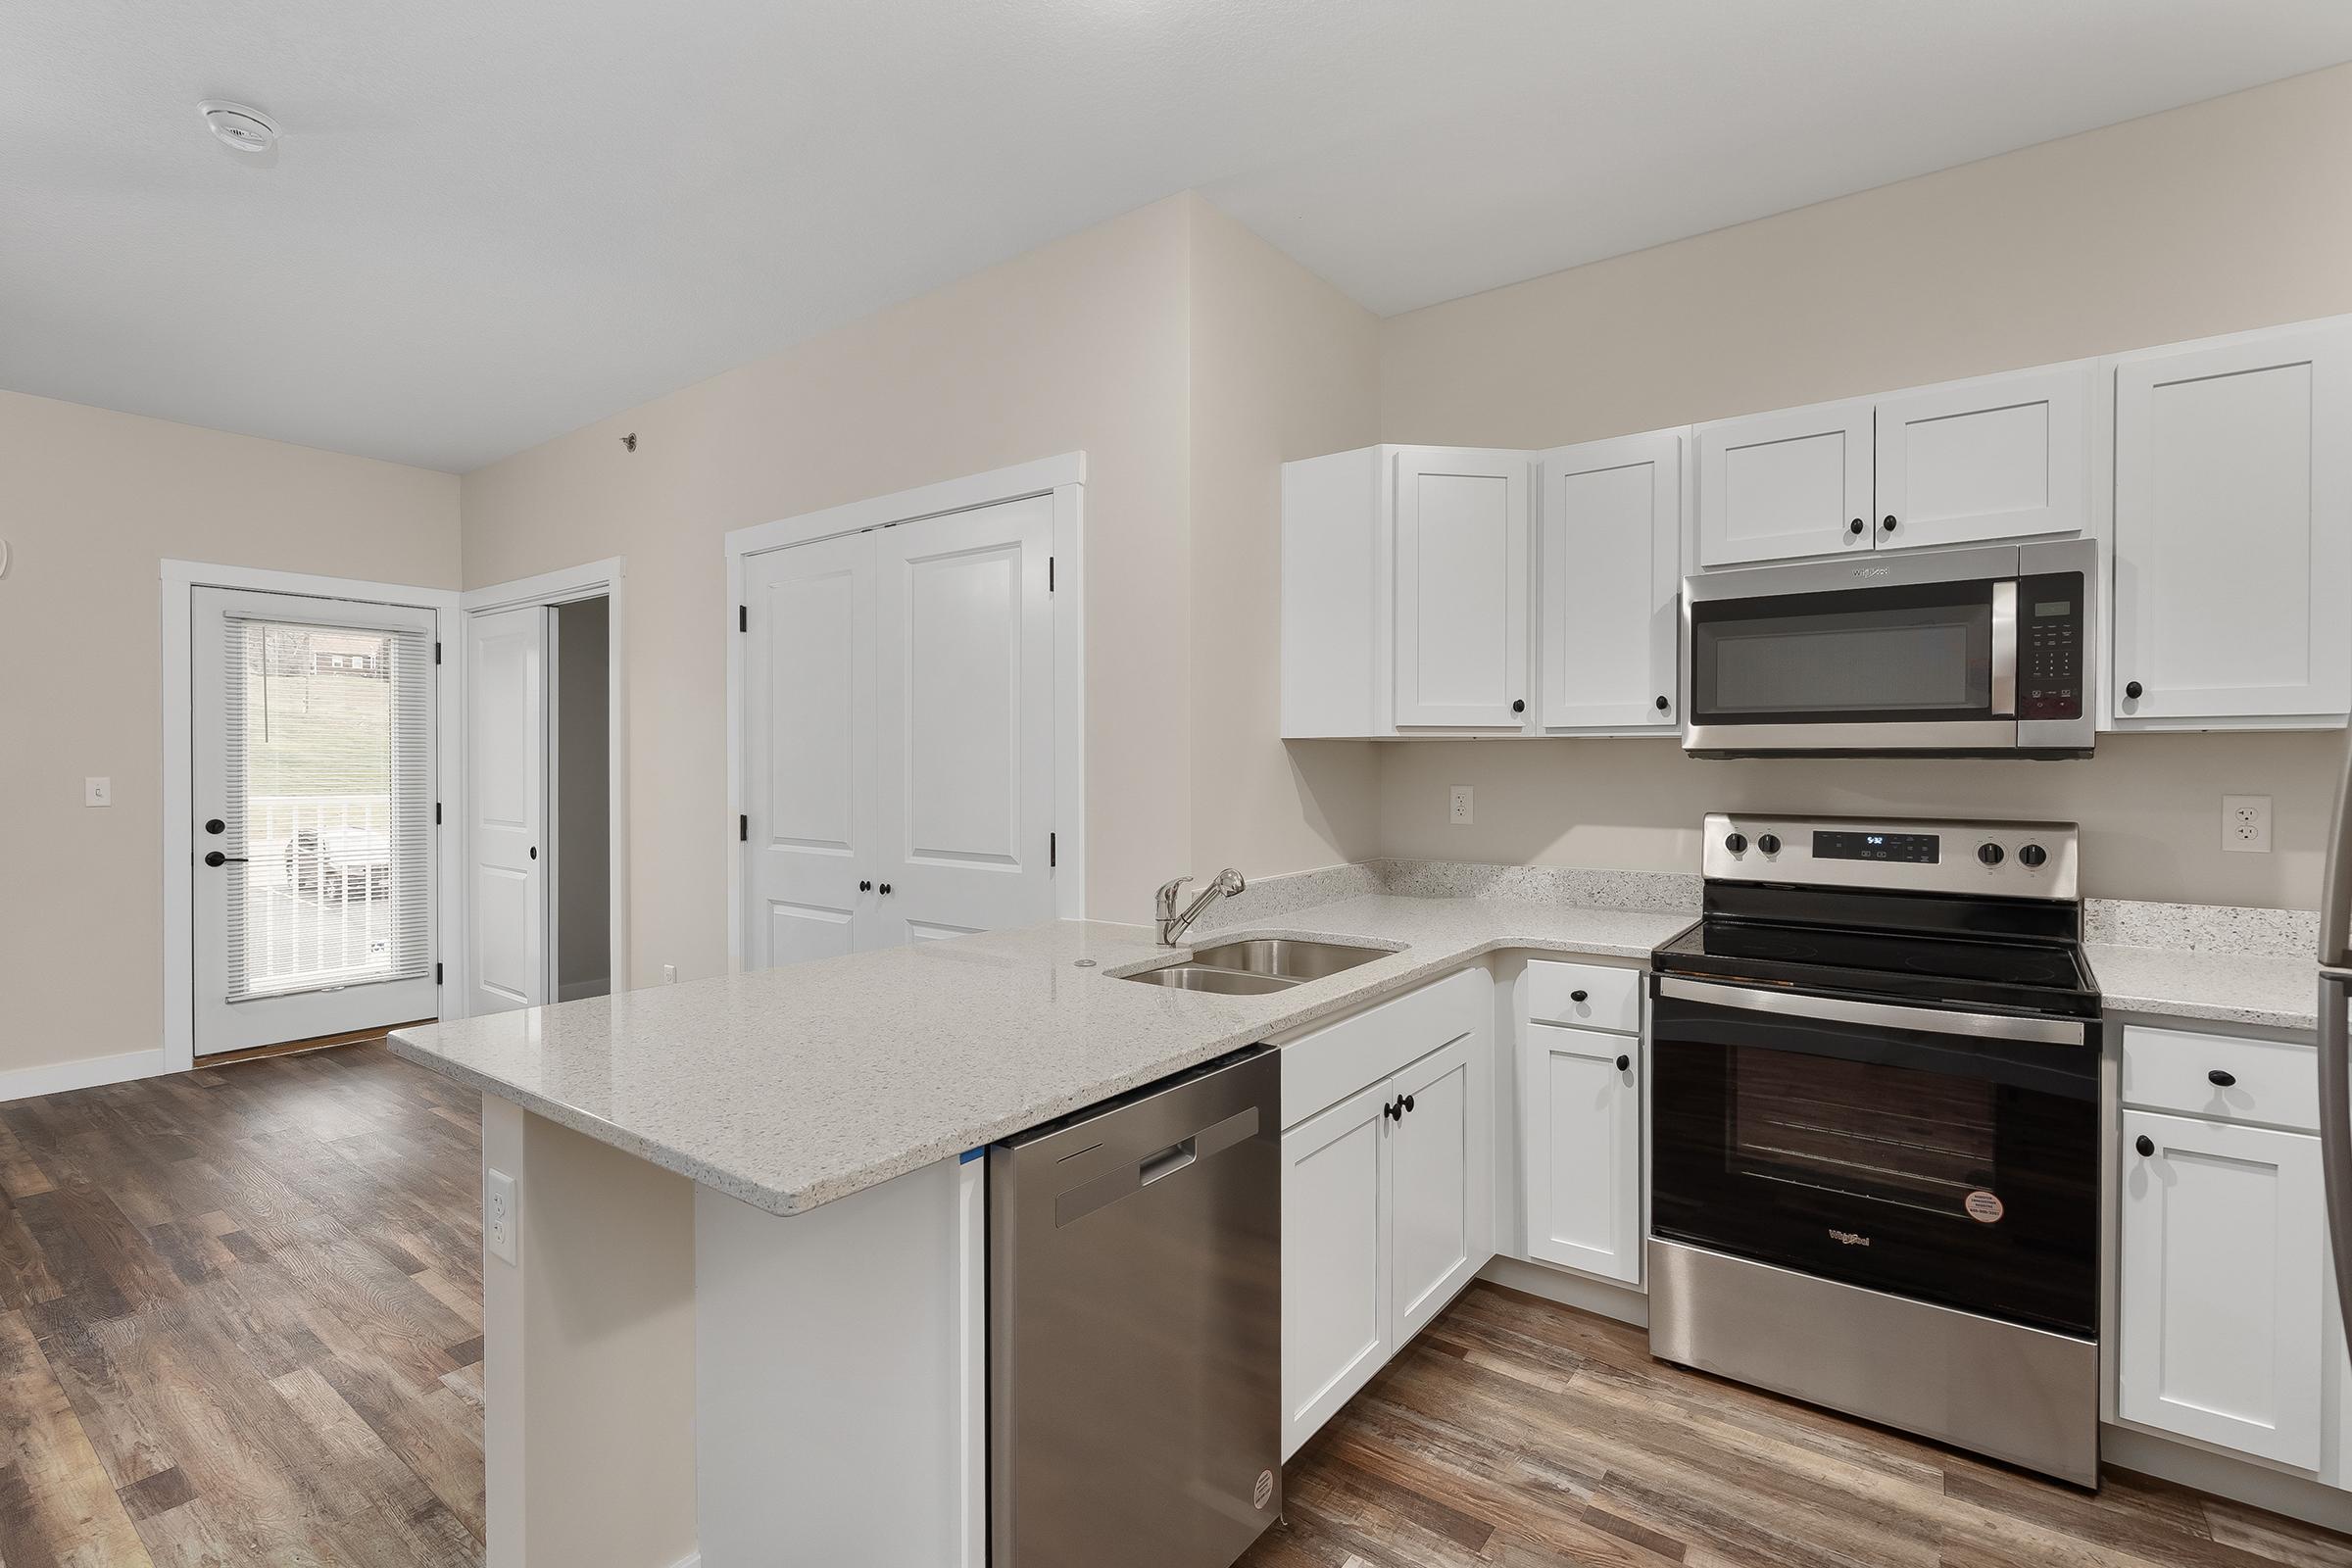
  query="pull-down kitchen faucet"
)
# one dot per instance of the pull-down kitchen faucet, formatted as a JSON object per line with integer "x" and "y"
{"x": 1172, "y": 926}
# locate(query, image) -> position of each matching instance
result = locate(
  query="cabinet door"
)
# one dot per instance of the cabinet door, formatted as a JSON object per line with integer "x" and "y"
{"x": 1998, "y": 458}
{"x": 1335, "y": 1260}
{"x": 2221, "y": 1304}
{"x": 1579, "y": 1141}
{"x": 1789, "y": 483}
{"x": 1441, "y": 1154}
{"x": 1610, "y": 563}
{"x": 1461, "y": 588}
{"x": 2233, "y": 530}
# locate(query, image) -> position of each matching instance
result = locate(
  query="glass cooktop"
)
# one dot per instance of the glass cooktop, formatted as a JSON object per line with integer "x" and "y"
{"x": 2028, "y": 974}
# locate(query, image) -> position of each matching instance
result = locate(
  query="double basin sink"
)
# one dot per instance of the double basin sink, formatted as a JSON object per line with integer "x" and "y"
{"x": 1258, "y": 966}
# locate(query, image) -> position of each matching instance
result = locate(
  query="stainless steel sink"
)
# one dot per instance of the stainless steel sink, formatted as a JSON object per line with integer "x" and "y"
{"x": 1196, "y": 977}
{"x": 1279, "y": 956}
{"x": 1258, "y": 966}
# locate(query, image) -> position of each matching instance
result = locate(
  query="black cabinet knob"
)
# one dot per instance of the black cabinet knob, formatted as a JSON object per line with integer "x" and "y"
{"x": 1991, "y": 854}
{"x": 2031, "y": 854}
{"x": 1577, "y": 995}
{"x": 884, "y": 890}
{"x": 1663, "y": 704}
{"x": 2146, "y": 1146}
{"x": 2220, "y": 1079}
{"x": 1887, "y": 522}
{"x": 1770, "y": 843}
{"x": 1519, "y": 705}
{"x": 213, "y": 824}
{"x": 865, "y": 885}
{"x": 1856, "y": 527}
{"x": 1623, "y": 1062}
{"x": 1736, "y": 843}
{"x": 1408, "y": 1101}
{"x": 534, "y": 852}
{"x": 2132, "y": 688}
{"x": 1394, "y": 1110}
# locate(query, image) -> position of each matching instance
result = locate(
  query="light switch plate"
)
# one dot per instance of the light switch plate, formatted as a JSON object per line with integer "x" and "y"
{"x": 1458, "y": 811}
{"x": 2246, "y": 823}
{"x": 498, "y": 1215}
{"x": 97, "y": 792}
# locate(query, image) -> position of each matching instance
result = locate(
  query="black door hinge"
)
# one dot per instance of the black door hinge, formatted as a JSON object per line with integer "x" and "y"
{"x": 1053, "y": 849}
{"x": 743, "y": 827}
{"x": 1049, "y": 574}
{"x": 743, "y": 618}
{"x": 436, "y": 974}
{"x": 436, "y": 653}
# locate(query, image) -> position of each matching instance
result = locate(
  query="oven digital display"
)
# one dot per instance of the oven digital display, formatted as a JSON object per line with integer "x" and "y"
{"x": 1919, "y": 848}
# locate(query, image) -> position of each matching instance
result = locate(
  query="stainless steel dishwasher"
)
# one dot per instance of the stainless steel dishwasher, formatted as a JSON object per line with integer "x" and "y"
{"x": 1135, "y": 1326}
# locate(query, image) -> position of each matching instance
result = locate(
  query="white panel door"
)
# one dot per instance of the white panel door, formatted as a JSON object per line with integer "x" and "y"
{"x": 1580, "y": 1140}
{"x": 1461, "y": 588}
{"x": 808, "y": 750}
{"x": 1794, "y": 482}
{"x": 2233, "y": 530}
{"x": 312, "y": 753}
{"x": 1334, "y": 1259}
{"x": 1441, "y": 1187}
{"x": 2221, "y": 1304}
{"x": 505, "y": 808}
{"x": 964, "y": 722}
{"x": 1611, "y": 566}
{"x": 1998, "y": 457}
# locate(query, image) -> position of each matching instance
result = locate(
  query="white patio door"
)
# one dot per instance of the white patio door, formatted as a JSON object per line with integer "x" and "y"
{"x": 312, "y": 782}
{"x": 505, "y": 808}
{"x": 898, "y": 734}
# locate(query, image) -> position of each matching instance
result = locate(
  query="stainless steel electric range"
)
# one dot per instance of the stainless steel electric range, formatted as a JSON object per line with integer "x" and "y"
{"x": 1876, "y": 1165}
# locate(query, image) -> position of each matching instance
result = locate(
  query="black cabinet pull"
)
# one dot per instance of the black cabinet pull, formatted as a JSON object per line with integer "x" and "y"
{"x": 1624, "y": 1062}
{"x": 215, "y": 858}
{"x": 866, "y": 884}
{"x": 1519, "y": 705}
{"x": 2132, "y": 688}
{"x": 1394, "y": 1110}
{"x": 1408, "y": 1101}
{"x": 215, "y": 826}
{"x": 1888, "y": 523}
{"x": 1663, "y": 704}
{"x": 2220, "y": 1079}
{"x": 1577, "y": 995}
{"x": 2146, "y": 1146}
{"x": 884, "y": 890}
{"x": 1856, "y": 527}
{"x": 534, "y": 852}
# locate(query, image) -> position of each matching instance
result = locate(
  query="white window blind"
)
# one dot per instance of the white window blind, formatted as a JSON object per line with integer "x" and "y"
{"x": 330, "y": 820}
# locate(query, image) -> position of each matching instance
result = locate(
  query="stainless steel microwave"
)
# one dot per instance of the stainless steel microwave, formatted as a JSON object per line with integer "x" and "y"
{"x": 1975, "y": 652}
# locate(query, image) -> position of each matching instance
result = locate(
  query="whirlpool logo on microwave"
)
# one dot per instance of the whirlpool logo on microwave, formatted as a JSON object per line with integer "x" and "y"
{"x": 1849, "y": 1237}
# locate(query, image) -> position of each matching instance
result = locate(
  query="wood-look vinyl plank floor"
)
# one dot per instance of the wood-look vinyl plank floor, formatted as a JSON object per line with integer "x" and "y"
{"x": 240, "y": 1323}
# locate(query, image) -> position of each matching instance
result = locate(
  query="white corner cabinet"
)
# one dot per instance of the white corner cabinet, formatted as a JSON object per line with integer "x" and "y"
{"x": 1579, "y": 1116}
{"x": 1999, "y": 456}
{"x": 2221, "y": 1322}
{"x": 1479, "y": 591}
{"x": 1386, "y": 1185}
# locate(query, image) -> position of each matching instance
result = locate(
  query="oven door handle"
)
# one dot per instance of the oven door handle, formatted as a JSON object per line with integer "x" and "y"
{"x": 1887, "y": 1015}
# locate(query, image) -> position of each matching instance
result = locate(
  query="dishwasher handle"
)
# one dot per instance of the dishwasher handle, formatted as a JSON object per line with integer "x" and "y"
{"x": 1076, "y": 1201}
{"x": 1167, "y": 1162}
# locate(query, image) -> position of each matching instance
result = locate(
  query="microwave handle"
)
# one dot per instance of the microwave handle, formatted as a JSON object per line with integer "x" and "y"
{"x": 2004, "y": 649}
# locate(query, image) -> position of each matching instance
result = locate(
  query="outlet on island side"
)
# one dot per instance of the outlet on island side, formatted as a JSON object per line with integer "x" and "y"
{"x": 498, "y": 1214}
{"x": 1457, "y": 810}
{"x": 2246, "y": 823}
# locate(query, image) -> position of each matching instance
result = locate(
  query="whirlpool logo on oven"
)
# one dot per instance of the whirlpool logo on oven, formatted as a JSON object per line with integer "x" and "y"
{"x": 1849, "y": 1237}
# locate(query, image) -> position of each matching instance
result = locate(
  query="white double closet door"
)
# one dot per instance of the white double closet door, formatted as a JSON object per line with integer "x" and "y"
{"x": 898, "y": 734}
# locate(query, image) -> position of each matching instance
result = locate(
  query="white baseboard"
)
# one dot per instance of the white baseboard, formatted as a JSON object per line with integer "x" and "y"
{"x": 1605, "y": 1296}
{"x": 55, "y": 1078}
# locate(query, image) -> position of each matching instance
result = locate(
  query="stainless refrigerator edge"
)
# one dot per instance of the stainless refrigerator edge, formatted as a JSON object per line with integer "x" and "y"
{"x": 2335, "y": 1073}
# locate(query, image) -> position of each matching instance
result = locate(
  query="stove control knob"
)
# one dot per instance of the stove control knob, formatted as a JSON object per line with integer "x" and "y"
{"x": 1770, "y": 843}
{"x": 1736, "y": 843}
{"x": 1990, "y": 854}
{"x": 2031, "y": 854}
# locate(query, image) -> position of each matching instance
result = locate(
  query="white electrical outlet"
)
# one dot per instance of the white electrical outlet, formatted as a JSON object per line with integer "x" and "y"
{"x": 1460, "y": 813}
{"x": 498, "y": 1215}
{"x": 2246, "y": 823}
{"x": 670, "y": 974}
{"x": 97, "y": 792}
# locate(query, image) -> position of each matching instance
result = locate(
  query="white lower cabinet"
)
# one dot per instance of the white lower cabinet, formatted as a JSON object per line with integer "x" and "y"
{"x": 1580, "y": 1119}
{"x": 2220, "y": 1309}
{"x": 1387, "y": 1196}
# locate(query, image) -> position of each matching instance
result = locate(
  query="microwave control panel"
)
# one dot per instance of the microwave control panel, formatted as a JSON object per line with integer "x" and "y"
{"x": 2049, "y": 653}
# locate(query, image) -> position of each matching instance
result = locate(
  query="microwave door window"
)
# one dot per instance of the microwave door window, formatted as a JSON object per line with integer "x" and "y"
{"x": 1781, "y": 661}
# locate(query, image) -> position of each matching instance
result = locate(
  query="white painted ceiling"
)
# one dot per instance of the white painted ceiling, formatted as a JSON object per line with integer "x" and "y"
{"x": 492, "y": 223}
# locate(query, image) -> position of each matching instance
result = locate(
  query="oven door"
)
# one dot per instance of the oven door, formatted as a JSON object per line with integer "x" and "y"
{"x": 1950, "y": 1157}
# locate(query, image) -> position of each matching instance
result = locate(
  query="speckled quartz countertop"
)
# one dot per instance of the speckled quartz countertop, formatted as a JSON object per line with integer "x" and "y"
{"x": 2262, "y": 990}
{"x": 792, "y": 1087}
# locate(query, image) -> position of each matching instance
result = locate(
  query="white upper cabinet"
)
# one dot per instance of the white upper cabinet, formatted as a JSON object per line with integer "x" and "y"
{"x": 1796, "y": 482}
{"x": 1461, "y": 588}
{"x": 2002, "y": 457}
{"x": 1609, "y": 563}
{"x": 2233, "y": 530}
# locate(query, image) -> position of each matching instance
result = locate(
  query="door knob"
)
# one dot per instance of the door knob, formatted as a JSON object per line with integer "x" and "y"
{"x": 2146, "y": 1146}
{"x": 215, "y": 858}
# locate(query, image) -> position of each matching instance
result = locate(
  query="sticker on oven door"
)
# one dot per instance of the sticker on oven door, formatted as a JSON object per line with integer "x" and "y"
{"x": 1984, "y": 1207}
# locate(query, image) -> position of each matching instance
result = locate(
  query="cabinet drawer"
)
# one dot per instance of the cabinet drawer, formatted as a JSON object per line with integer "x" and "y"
{"x": 1589, "y": 996}
{"x": 2273, "y": 1081}
{"x": 1325, "y": 1067}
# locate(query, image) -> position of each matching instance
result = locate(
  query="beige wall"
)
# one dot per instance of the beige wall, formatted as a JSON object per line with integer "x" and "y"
{"x": 1283, "y": 366}
{"x": 2224, "y": 216}
{"x": 90, "y": 502}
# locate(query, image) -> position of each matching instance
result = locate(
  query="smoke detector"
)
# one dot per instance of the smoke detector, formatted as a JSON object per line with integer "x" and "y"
{"x": 241, "y": 126}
